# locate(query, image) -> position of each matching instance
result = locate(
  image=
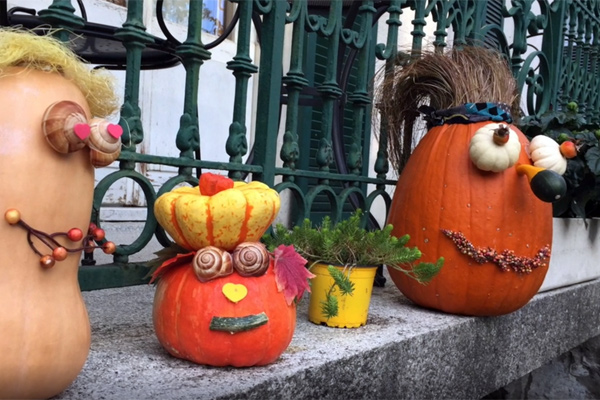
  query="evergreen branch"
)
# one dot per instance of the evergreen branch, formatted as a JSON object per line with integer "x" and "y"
{"x": 329, "y": 307}
{"x": 341, "y": 280}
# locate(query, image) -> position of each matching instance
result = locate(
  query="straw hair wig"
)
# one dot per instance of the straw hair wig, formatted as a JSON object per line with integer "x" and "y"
{"x": 25, "y": 49}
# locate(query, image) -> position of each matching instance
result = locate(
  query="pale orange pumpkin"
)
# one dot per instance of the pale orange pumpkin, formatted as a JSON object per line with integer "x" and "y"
{"x": 45, "y": 331}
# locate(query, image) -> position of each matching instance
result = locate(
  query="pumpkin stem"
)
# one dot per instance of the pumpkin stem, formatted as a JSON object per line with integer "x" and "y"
{"x": 501, "y": 135}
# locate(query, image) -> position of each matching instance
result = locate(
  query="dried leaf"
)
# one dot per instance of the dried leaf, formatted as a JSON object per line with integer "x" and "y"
{"x": 179, "y": 259}
{"x": 291, "y": 274}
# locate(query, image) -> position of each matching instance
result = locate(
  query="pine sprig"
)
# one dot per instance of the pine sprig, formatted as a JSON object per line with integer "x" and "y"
{"x": 329, "y": 307}
{"x": 341, "y": 280}
{"x": 349, "y": 243}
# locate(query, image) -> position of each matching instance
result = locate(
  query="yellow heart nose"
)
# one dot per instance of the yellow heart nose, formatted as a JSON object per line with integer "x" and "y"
{"x": 234, "y": 292}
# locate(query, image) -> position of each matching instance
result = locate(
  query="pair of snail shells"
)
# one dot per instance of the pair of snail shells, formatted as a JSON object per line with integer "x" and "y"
{"x": 67, "y": 129}
{"x": 248, "y": 259}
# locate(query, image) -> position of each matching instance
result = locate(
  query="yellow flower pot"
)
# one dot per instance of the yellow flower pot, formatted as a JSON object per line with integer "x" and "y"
{"x": 352, "y": 309}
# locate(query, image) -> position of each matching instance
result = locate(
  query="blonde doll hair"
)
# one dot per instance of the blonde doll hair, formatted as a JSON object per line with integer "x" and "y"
{"x": 20, "y": 48}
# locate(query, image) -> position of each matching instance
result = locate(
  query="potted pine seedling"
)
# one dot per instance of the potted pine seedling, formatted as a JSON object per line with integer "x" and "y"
{"x": 344, "y": 258}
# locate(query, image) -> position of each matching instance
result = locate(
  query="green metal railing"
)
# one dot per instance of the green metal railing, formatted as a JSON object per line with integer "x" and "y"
{"x": 554, "y": 55}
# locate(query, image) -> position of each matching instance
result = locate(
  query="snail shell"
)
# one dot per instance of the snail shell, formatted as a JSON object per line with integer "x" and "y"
{"x": 212, "y": 262}
{"x": 65, "y": 126}
{"x": 251, "y": 259}
{"x": 104, "y": 142}
{"x": 100, "y": 159}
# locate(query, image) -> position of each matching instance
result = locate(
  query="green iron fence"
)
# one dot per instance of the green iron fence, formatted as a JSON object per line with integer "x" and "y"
{"x": 333, "y": 49}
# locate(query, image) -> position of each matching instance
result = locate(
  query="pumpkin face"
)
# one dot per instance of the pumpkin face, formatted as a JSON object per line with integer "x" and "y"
{"x": 231, "y": 321}
{"x": 221, "y": 218}
{"x": 442, "y": 189}
{"x": 45, "y": 328}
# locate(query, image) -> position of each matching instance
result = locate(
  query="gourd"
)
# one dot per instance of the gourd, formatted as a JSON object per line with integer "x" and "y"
{"x": 213, "y": 215}
{"x": 494, "y": 147}
{"x": 545, "y": 152}
{"x": 230, "y": 320}
{"x": 45, "y": 331}
{"x": 495, "y": 210}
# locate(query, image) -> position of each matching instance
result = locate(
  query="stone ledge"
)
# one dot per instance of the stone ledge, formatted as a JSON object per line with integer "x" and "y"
{"x": 403, "y": 351}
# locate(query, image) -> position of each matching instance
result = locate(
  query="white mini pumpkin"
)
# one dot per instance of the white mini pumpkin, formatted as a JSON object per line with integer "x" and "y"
{"x": 492, "y": 151}
{"x": 545, "y": 153}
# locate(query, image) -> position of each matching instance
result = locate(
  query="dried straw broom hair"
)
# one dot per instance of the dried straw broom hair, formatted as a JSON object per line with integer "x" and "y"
{"x": 467, "y": 75}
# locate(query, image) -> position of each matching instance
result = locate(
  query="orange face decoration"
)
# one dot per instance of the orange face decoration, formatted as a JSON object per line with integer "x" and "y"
{"x": 491, "y": 229}
{"x": 227, "y": 303}
{"x": 239, "y": 320}
{"x": 468, "y": 192}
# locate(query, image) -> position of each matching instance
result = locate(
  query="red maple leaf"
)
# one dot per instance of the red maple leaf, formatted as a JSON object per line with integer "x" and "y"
{"x": 291, "y": 274}
{"x": 179, "y": 259}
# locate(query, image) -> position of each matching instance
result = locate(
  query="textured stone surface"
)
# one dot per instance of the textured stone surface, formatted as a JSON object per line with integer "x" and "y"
{"x": 403, "y": 351}
{"x": 573, "y": 375}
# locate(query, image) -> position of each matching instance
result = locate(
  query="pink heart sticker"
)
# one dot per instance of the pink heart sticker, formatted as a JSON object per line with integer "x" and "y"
{"x": 114, "y": 130}
{"x": 82, "y": 131}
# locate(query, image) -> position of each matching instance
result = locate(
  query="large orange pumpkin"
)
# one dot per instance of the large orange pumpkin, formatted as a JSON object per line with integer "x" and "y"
{"x": 228, "y": 321}
{"x": 441, "y": 189}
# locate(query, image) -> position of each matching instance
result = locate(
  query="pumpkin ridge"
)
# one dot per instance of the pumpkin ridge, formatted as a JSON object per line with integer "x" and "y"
{"x": 173, "y": 216}
{"x": 244, "y": 228}
{"x": 209, "y": 225}
{"x": 177, "y": 313}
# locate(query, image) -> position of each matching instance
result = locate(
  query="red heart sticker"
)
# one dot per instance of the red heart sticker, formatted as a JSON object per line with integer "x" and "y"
{"x": 82, "y": 131}
{"x": 114, "y": 130}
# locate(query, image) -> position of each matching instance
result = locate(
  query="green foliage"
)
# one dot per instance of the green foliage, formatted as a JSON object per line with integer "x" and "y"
{"x": 583, "y": 172}
{"x": 348, "y": 243}
{"x": 341, "y": 282}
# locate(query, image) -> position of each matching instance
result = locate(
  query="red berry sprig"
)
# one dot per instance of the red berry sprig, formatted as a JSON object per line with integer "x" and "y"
{"x": 60, "y": 252}
{"x": 506, "y": 260}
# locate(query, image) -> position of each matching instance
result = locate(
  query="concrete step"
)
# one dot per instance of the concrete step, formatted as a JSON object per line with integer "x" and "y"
{"x": 403, "y": 352}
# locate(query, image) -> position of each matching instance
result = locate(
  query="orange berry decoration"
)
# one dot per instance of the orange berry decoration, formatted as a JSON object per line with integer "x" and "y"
{"x": 12, "y": 216}
{"x": 59, "y": 251}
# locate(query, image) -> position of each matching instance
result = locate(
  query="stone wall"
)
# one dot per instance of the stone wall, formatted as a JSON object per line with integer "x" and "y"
{"x": 573, "y": 375}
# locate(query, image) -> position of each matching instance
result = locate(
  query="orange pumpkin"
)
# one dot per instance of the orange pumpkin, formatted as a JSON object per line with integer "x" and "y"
{"x": 227, "y": 321}
{"x": 441, "y": 189}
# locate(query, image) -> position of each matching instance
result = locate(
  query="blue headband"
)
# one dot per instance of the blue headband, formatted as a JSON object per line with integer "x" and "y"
{"x": 467, "y": 114}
